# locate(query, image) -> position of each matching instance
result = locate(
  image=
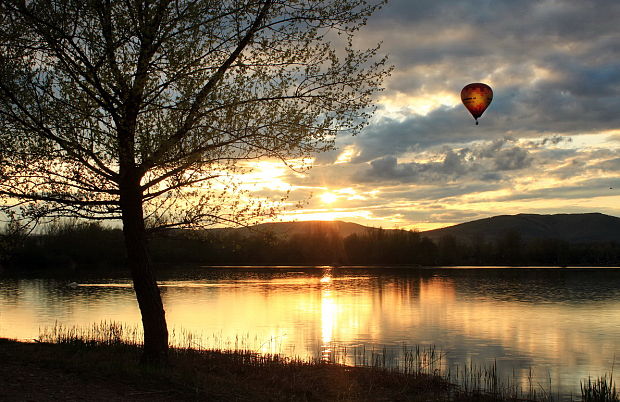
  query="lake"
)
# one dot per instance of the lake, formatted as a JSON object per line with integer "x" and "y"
{"x": 562, "y": 324}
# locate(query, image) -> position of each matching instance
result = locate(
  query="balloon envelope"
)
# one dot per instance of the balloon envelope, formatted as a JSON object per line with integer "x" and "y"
{"x": 476, "y": 97}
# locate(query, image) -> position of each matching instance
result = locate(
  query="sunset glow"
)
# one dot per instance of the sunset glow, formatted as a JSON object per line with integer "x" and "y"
{"x": 549, "y": 142}
{"x": 310, "y": 200}
{"x": 532, "y": 182}
{"x": 329, "y": 198}
{"x": 421, "y": 163}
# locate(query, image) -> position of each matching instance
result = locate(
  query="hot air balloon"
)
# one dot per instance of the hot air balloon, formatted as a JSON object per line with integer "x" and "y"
{"x": 476, "y": 97}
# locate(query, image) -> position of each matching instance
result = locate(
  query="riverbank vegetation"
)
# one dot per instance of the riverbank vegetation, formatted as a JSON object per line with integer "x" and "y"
{"x": 90, "y": 244}
{"x": 103, "y": 360}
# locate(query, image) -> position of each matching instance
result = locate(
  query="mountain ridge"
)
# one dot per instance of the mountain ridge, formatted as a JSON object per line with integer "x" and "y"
{"x": 574, "y": 228}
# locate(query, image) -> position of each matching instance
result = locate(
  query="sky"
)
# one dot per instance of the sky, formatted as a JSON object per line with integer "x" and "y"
{"x": 548, "y": 143}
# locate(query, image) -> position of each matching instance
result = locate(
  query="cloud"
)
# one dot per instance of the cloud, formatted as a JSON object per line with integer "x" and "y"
{"x": 555, "y": 70}
{"x": 548, "y": 142}
{"x": 482, "y": 161}
{"x": 388, "y": 169}
{"x": 553, "y": 140}
{"x": 573, "y": 163}
{"x": 435, "y": 195}
{"x": 609, "y": 165}
{"x": 455, "y": 215}
{"x": 512, "y": 159}
{"x": 590, "y": 188}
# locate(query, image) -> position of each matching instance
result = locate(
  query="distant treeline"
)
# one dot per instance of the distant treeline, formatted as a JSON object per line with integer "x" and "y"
{"x": 91, "y": 245}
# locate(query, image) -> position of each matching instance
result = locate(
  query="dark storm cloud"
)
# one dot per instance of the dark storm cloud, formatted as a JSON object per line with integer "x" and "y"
{"x": 474, "y": 36}
{"x": 507, "y": 19}
{"x": 555, "y": 68}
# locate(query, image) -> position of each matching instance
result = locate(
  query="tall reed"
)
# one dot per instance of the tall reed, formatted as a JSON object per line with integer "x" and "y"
{"x": 601, "y": 389}
{"x": 464, "y": 382}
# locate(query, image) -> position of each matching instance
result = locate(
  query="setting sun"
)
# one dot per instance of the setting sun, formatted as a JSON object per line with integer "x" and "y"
{"x": 328, "y": 198}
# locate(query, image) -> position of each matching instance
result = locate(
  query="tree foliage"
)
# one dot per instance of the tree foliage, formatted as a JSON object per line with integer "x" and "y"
{"x": 183, "y": 90}
{"x": 141, "y": 110}
{"x": 81, "y": 245}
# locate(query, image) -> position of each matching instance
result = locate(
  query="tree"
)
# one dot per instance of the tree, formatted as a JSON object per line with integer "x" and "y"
{"x": 12, "y": 238}
{"x": 136, "y": 110}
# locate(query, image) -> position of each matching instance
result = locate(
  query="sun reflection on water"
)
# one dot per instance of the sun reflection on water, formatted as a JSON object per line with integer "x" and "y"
{"x": 329, "y": 315}
{"x": 317, "y": 312}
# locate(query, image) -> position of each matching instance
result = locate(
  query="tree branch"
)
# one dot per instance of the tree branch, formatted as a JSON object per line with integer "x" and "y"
{"x": 202, "y": 94}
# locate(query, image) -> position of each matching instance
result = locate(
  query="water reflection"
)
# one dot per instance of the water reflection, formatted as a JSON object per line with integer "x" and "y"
{"x": 563, "y": 324}
{"x": 328, "y": 315}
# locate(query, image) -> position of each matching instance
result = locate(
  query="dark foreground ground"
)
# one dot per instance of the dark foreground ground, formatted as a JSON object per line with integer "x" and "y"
{"x": 42, "y": 371}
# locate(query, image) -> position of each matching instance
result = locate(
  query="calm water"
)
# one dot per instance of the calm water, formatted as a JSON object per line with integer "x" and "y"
{"x": 564, "y": 324}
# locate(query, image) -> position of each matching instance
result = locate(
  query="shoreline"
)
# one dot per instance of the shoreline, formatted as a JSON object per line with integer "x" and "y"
{"x": 79, "y": 371}
{"x": 164, "y": 268}
{"x": 73, "y": 368}
{"x": 117, "y": 333}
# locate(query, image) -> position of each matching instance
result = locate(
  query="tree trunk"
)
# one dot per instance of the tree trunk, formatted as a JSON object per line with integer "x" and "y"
{"x": 147, "y": 292}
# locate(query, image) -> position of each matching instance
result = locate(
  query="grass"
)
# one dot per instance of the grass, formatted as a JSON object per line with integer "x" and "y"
{"x": 236, "y": 371}
{"x": 601, "y": 389}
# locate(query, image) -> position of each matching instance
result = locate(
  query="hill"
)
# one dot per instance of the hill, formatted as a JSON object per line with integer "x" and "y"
{"x": 568, "y": 239}
{"x": 573, "y": 228}
{"x": 288, "y": 229}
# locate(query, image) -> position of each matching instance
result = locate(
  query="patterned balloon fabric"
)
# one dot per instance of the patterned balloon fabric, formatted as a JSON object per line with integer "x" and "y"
{"x": 476, "y": 97}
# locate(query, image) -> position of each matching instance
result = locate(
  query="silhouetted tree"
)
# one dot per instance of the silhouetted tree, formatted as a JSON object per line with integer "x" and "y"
{"x": 12, "y": 239}
{"x": 448, "y": 250}
{"x": 87, "y": 244}
{"x": 132, "y": 109}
